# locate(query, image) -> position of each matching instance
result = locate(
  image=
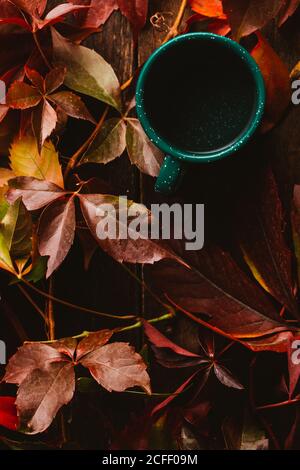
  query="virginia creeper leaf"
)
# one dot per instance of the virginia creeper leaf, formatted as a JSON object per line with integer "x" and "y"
{"x": 35, "y": 193}
{"x": 56, "y": 232}
{"x": 87, "y": 71}
{"x": 142, "y": 152}
{"x": 109, "y": 144}
{"x": 22, "y": 96}
{"x": 72, "y": 105}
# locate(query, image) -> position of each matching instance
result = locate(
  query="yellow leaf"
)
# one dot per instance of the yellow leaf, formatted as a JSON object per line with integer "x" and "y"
{"x": 25, "y": 160}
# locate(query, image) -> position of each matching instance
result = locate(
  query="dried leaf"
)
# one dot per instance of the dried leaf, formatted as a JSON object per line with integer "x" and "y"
{"x": 117, "y": 367}
{"x": 246, "y": 16}
{"x": 35, "y": 193}
{"x": 26, "y": 160}
{"x": 109, "y": 144}
{"x": 56, "y": 232}
{"x": 123, "y": 246}
{"x": 277, "y": 81}
{"x": 87, "y": 71}
{"x": 43, "y": 393}
{"x": 261, "y": 234}
{"x": 22, "y": 96}
{"x": 72, "y": 105}
{"x": 142, "y": 152}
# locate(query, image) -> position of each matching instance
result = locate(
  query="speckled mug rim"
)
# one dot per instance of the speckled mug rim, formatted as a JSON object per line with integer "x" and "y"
{"x": 246, "y": 134}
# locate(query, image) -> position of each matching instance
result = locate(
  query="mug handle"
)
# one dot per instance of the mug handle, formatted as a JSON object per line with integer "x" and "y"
{"x": 170, "y": 176}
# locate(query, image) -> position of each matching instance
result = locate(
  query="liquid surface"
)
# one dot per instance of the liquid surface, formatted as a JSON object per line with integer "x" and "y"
{"x": 199, "y": 96}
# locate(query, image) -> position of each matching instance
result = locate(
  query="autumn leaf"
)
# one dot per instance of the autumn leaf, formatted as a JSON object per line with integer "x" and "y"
{"x": 125, "y": 246}
{"x": 210, "y": 8}
{"x": 109, "y": 144}
{"x": 44, "y": 120}
{"x": 97, "y": 14}
{"x": 56, "y": 232}
{"x": 247, "y": 16}
{"x": 5, "y": 259}
{"x": 43, "y": 393}
{"x": 136, "y": 12}
{"x": 217, "y": 294}
{"x": 277, "y": 81}
{"x": 22, "y": 96}
{"x": 8, "y": 413}
{"x": 260, "y": 232}
{"x": 46, "y": 378}
{"x": 16, "y": 228}
{"x": 87, "y": 71}
{"x": 141, "y": 151}
{"x": 295, "y": 220}
{"x": 72, "y": 105}
{"x": 287, "y": 10}
{"x": 117, "y": 367}
{"x": 26, "y": 160}
{"x": 35, "y": 193}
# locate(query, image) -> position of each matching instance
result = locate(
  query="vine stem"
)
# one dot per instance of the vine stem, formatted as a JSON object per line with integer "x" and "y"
{"x": 50, "y": 312}
{"x": 174, "y": 29}
{"x": 32, "y": 302}
{"x": 73, "y": 160}
{"x": 134, "y": 326}
{"x": 77, "y": 307}
{"x": 37, "y": 43}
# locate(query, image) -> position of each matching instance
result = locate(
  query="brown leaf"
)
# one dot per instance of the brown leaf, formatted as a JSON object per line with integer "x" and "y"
{"x": 56, "y": 232}
{"x": 29, "y": 357}
{"x": 122, "y": 249}
{"x": 43, "y": 393}
{"x": 142, "y": 152}
{"x": 214, "y": 285}
{"x": 136, "y": 12}
{"x": 44, "y": 119}
{"x": 55, "y": 78}
{"x": 109, "y": 144}
{"x": 246, "y": 16}
{"x": 226, "y": 377}
{"x": 260, "y": 231}
{"x": 33, "y": 7}
{"x": 97, "y": 14}
{"x": 117, "y": 367}
{"x": 92, "y": 342}
{"x": 277, "y": 81}
{"x": 22, "y": 96}
{"x": 35, "y": 78}
{"x": 35, "y": 193}
{"x": 72, "y": 105}
{"x": 288, "y": 9}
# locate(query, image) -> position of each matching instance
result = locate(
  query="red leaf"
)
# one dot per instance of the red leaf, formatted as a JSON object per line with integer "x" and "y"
{"x": 92, "y": 342}
{"x": 18, "y": 21}
{"x": 54, "y": 79}
{"x": 22, "y": 96}
{"x": 260, "y": 230}
{"x": 56, "y": 232}
{"x": 136, "y": 12}
{"x": 117, "y": 367}
{"x": 177, "y": 392}
{"x": 44, "y": 120}
{"x": 58, "y": 13}
{"x": 215, "y": 285}
{"x": 32, "y": 7}
{"x": 97, "y": 14}
{"x": 226, "y": 377}
{"x": 8, "y": 413}
{"x": 288, "y": 9}
{"x": 246, "y": 16}
{"x": 210, "y": 8}
{"x": 43, "y": 393}
{"x": 122, "y": 248}
{"x": 277, "y": 81}
{"x": 72, "y": 105}
{"x": 212, "y": 25}
{"x": 34, "y": 193}
{"x": 35, "y": 78}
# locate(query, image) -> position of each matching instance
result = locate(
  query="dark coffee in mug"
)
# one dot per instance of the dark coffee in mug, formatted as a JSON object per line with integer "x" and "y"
{"x": 199, "y": 97}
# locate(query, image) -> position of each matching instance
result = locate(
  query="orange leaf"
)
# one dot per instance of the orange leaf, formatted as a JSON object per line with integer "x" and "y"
{"x": 210, "y": 8}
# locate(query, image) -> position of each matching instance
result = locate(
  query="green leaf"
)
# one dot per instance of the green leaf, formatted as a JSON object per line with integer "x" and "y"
{"x": 5, "y": 259}
{"x": 87, "y": 71}
{"x": 38, "y": 270}
{"x": 16, "y": 228}
{"x": 109, "y": 144}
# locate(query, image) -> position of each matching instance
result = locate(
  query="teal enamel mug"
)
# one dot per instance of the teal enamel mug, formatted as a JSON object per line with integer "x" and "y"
{"x": 200, "y": 98}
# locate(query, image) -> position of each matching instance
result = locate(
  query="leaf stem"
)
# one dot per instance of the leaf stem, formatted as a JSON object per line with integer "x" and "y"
{"x": 77, "y": 307}
{"x": 174, "y": 29}
{"x": 50, "y": 312}
{"x": 73, "y": 160}
{"x": 32, "y": 302}
{"x": 37, "y": 43}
